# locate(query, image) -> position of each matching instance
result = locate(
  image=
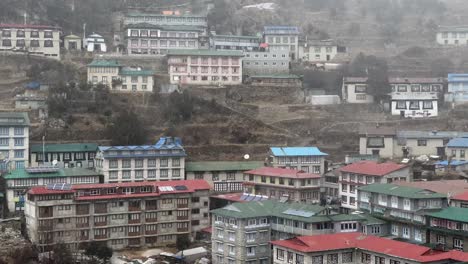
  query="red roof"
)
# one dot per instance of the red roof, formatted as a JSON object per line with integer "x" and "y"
{"x": 374, "y": 168}
{"x": 191, "y": 186}
{"x": 281, "y": 172}
{"x": 461, "y": 197}
{"x": 27, "y": 26}
{"x": 449, "y": 187}
{"x": 380, "y": 245}
{"x": 207, "y": 230}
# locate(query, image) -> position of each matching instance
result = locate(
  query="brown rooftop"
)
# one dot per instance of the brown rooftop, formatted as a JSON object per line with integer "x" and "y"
{"x": 454, "y": 187}
{"x": 377, "y": 131}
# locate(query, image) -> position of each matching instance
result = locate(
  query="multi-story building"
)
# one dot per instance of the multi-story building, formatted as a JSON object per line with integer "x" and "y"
{"x": 318, "y": 50}
{"x": 70, "y": 155}
{"x": 354, "y": 91}
{"x": 205, "y": 67}
{"x": 234, "y": 42}
{"x": 283, "y": 38}
{"x": 31, "y": 39}
{"x": 265, "y": 62}
{"x": 242, "y": 231}
{"x": 452, "y": 35}
{"x": 416, "y": 97}
{"x": 163, "y": 161}
{"x": 20, "y": 180}
{"x": 223, "y": 176}
{"x": 368, "y": 172}
{"x": 377, "y": 140}
{"x": 457, "y": 91}
{"x": 278, "y": 183}
{"x": 404, "y": 208}
{"x": 307, "y": 159}
{"x": 14, "y": 139}
{"x": 457, "y": 149}
{"x": 449, "y": 228}
{"x": 120, "y": 215}
{"x": 357, "y": 248}
{"x": 145, "y": 38}
{"x": 120, "y": 78}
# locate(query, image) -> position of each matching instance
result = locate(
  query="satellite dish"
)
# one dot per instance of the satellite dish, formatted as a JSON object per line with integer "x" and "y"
{"x": 54, "y": 163}
{"x": 246, "y": 156}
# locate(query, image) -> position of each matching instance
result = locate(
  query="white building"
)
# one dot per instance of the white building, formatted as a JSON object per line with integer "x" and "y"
{"x": 318, "y": 50}
{"x": 452, "y": 35}
{"x": 378, "y": 141}
{"x": 95, "y": 43}
{"x": 163, "y": 161}
{"x": 283, "y": 38}
{"x": 14, "y": 139}
{"x": 354, "y": 91}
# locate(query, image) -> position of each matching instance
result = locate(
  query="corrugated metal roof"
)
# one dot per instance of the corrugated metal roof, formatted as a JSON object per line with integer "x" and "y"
{"x": 104, "y": 63}
{"x": 452, "y": 213}
{"x": 297, "y": 151}
{"x": 281, "y": 30}
{"x": 70, "y": 147}
{"x": 14, "y": 119}
{"x": 401, "y": 191}
{"x": 63, "y": 172}
{"x": 282, "y": 173}
{"x": 452, "y": 163}
{"x": 373, "y": 168}
{"x": 377, "y": 131}
{"x": 458, "y": 143}
{"x": 457, "y": 77}
{"x": 223, "y": 165}
{"x": 431, "y": 134}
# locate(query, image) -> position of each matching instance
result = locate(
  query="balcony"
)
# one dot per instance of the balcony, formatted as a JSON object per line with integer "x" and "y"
{"x": 185, "y": 229}
{"x": 151, "y": 220}
{"x": 100, "y": 223}
{"x": 134, "y": 208}
{"x": 182, "y": 205}
{"x": 82, "y": 225}
{"x": 185, "y": 217}
{"x": 133, "y": 233}
{"x": 46, "y": 228}
{"x": 151, "y": 232}
{"x": 134, "y": 221}
{"x": 100, "y": 237}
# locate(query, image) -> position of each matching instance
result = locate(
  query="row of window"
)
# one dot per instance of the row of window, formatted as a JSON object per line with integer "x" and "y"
{"x": 404, "y": 88}
{"x": 212, "y": 79}
{"x": 66, "y": 156}
{"x": 32, "y": 43}
{"x": 17, "y": 131}
{"x": 265, "y": 63}
{"x": 461, "y": 153}
{"x": 170, "y": 18}
{"x": 194, "y": 70}
{"x": 162, "y": 34}
{"x": 230, "y": 176}
{"x": 134, "y": 43}
{"x": 133, "y": 79}
{"x": 17, "y": 142}
{"x": 21, "y": 34}
{"x": 454, "y": 34}
{"x": 319, "y": 49}
{"x": 284, "y": 40}
{"x": 265, "y": 55}
{"x": 414, "y": 105}
{"x": 139, "y": 174}
{"x": 204, "y": 60}
{"x": 139, "y": 163}
{"x": 142, "y": 152}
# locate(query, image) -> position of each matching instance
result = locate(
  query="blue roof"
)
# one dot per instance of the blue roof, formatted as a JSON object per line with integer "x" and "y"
{"x": 297, "y": 151}
{"x": 164, "y": 143}
{"x": 452, "y": 163}
{"x": 33, "y": 85}
{"x": 457, "y": 77}
{"x": 281, "y": 30}
{"x": 458, "y": 143}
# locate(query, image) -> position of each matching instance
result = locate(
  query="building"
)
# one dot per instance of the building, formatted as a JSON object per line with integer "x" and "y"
{"x": 146, "y": 38}
{"x": 357, "y": 248}
{"x": 459, "y": 200}
{"x": 73, "y": 43}
{"x": 166, "y": 20}
{"x": 416, "y": 97}
{"x": 377, "y": 141}
{"x": 266, "y": 62}
{"x": 234, "y": 42}
{"x": 242, "y": 231}
{"x": 69, "y": 155}
{"x": 306, "y": 159}
{"x": 450, "y": 188}
{"x": 318, "y": 50}
{"x": 162, "y": 161}
{"x": 121, "y": 215}
{"x": 30, "y": 39}
{"x": 457, "y": 91}
{"x": 30, "y": 102}
{"x": 448, "y": 228}
{"x": 205, "y": 67}
{"x": 14, "y": 139}
{"x": 20, "y": 180}
{"x": 275, "y": 80}
{"x": 404, "y": 208}
{"x": 456, "y": 149}
{"x": 367, "y": 172}
{"x": 283, "y": 38}
{"x": 95, "y": 43}
{"x": 354, "y": 91}
{"x": 120, "y": 78}
{"x": 452, "y": 35}
{"x": 281, "y": 183}
{"x": 223, "y": 176}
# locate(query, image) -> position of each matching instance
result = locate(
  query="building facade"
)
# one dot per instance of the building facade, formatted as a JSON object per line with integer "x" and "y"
{"x": 14, "y": 139}
{"x": 449, "y": 228}
{"x": 163, "y": 161}
{"x": 306, "y": 159}
{"x": 457, "y": 91}
{"x": 354, "y": 91}
{"x": 318, "y": 51}
{"x": 367, "y": 172}
{"x": 20, "y": 180}
{"x": 120, "y": 215}
{"x": 80, "y": 155}
{"x": 377, "y": 141}
{"x": 265, "y": 62}
{"x": 457, "y": 149}
{"x": 223, "y": 176}
{"x": 404, "y": 208}
{"x": 234, "y": 42}
{"x": 284, "y": 38}
{"x": 31, "y": 39}
{"x": 205, "y": 67}
{"x": 452, "y": 36}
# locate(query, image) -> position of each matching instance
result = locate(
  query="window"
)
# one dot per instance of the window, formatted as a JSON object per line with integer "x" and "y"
{"x": 406, "y": 232}
{"x": 47, "y": 34}
{"x": 164, "y": 162}
{"x": 279, "y": 254}
{"x": 422, "y": 142}
{"x": 6, "y": 43}
{"x": 400, "y": 104}
{"x": 19, "y": 153}
{"x": 394, "y": 261}
{"x": 458, "y": 243}
{"x": 414, "y": 105}
{"x": 19, "y": 141}
{"x": 19, "y": 131}
{"x": 20, "y": 43}
{"x": 394, "y": 230}
{"x": 250, "y": 251}
{"x": 347, "y": 257}
{"x": 48, "y": 43}
{"x": 440, "y": 239}
{"x": 462, "y": 153}
{"x": 402, "y": 88}
{"x": 332, "y": 258}
{"x": 427, "y": 105}
{"x": 360, "y": 89}
{"x": 415, "y": 88}
{"x": 379, "y": 260}
{"x": 361, "y": 97}
{"x": 375, "y": 142}
{"x": 365, "y": 258}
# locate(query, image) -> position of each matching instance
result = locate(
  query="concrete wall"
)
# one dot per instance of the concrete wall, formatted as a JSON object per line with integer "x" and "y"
{"x": 386, "y": 152}
{"x": 351, "y": 96}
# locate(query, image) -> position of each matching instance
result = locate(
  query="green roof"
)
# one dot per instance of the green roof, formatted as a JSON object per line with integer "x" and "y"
{"x": 69, "y": 147}
{"x": 14, "y": 119}
{"x": 104, "y": 63}
{"x": 278, "y": 76}
{"x": 452, "y": 213}
{"x": 237, "y": 36}
{"x": 370, "y": 220}
{"x": 401, "y": 191}
{"x": 195, "y": 52}
{"x": 63, "y": 172}
{"x": 136, "y": 72}
{"x": 223, "y": 165}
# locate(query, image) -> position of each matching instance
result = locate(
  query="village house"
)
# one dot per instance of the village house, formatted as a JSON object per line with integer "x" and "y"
{"x": 281, "y": 183}
{"x": 284, "y": 38}
{"x": 265, "y": 62}
{"x": 69, "y": 155}
{"x": 404, "y": 208}
{"x": 448, "y": 228}
{"x": 20, "y": 180}
{"x": 205, "y": 67}
{"x": 354, "y": 91}
{"x": 95, "y": 43}
{"x": 306, "y": 159}
{"x": 457, "y": 91}
{"x": 452, "y": 35}
{"x": 242, "y": 231}
{"x": 30, "y": 39}
{"x": 121, "y": 215}
{"x": 457, "y": 149}
{"x": 377, "y": 140}
{"x": 73, "y": 43}
{"x": 459, "y": 200}
{"x": 357, "y": 248}
{"x": 318, "y": 50}
{"x": 365, "y": 173}
{"x": 162, "y": 161}
{"x": 235, "y": 42}
{"x": 14, "y": 140}
{"x": 120, "y": 78}
{"x": 223, "y": 176}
